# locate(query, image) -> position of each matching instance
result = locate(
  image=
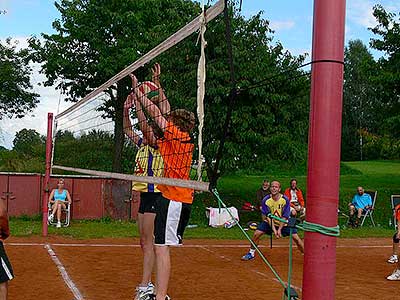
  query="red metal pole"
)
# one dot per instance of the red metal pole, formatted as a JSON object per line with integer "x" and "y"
{"x": 324, "y": 148}
{"x": 49, "y": 142}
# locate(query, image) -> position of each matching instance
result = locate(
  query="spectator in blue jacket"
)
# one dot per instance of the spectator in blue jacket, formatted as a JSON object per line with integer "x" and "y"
{"x": 361, "y": 201}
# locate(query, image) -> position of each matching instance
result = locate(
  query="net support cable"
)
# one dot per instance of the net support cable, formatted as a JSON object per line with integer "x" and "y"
{"x": 264, "y": 259}
{"x": 174, "y": 39}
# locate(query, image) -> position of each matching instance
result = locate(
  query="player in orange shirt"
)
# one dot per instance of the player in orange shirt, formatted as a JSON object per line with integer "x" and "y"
{"x": 174, "y": 207}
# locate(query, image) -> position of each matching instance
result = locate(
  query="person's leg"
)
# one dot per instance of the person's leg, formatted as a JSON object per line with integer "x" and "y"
{"x": 299, "y": 242}
{"x": 256, "y": 237}
{"x": 147, "y": 242}
{"x": 263, "y": 228}
{"x": 163, "y": 271}
{"x": 395, "y": 245}
{"x": 3, "y": 290}
{"x": 60, "y": 207}
{"x": 359, "y": 213}
{"x": 171, "y": 220}
{"x": 352, "y": 210}
{"x": 351, "y": 215}
{"x": 6, "y": 272}
{"x": 54, "y": 208}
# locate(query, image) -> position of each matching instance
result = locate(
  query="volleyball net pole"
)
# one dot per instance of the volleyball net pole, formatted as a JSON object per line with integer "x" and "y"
{"x": 324, "y": 143}
{"x": 49, "y": 147}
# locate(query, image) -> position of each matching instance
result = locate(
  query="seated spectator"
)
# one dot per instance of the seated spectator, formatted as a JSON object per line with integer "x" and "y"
{"x": 361, "y": 201}
{"x": 58, "y": 199}
{"x": 396, "y": 237}
{"x": 262, "y": 192}
{"x": 295, "y": 195}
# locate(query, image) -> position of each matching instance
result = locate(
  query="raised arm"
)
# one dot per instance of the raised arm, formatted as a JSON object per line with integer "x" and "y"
{"x": 127, "y": 121}
{"x": 51, "y": 197}
{"x": 69, "y": 198}
{"x": 150, "y": 107}
{"x": 162, "y": 102}
{"x": 148, "y": 133}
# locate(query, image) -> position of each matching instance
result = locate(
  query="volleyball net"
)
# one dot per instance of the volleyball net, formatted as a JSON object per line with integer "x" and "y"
{"x": 147, "y": 119}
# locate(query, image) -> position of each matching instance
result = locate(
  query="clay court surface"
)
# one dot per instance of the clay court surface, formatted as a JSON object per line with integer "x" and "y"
{"x": 202, "y": 269}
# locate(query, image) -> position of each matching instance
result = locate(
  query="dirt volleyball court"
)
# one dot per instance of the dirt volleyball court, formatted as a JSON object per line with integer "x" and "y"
{"x": 66, "y": 269}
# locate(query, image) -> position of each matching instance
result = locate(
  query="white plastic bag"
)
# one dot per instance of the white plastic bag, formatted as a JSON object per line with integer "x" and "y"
{"x": 218, "y": 217}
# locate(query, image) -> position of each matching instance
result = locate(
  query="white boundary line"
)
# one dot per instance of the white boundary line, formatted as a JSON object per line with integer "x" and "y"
{"x": 184, "y": 246}
{"x": 71, "y": 285}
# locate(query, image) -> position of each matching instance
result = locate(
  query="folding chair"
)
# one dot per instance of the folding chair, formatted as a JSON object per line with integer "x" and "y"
{"x": 65, "y": 215}
{"x": 395, "y": 200}
{"x": 368, "y": 212}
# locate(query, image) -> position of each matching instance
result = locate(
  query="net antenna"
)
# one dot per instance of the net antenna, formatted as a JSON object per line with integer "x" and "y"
{"x": 91, "y": 104}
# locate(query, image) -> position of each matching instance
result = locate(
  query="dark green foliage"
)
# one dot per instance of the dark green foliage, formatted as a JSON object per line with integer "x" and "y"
{"x": 16, "y": 99}
{"x": 29, "y": 142}
{"x": 359, "y": 99}
{"x": 388, "y": 41}
{"x": 90, "y": 151}
{"x": 96, "y": 39}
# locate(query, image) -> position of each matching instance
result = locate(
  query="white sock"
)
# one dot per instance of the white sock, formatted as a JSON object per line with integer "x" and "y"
{"x": 252, "y": 252}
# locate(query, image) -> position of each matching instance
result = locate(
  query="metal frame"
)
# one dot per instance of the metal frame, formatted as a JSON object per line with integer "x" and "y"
{"x": 64, "y": 223}
{"x": 370, "y": 211}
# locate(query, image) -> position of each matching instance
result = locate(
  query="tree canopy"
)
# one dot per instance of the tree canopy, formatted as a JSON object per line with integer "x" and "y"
{"x": 359, "y": 98}
{"x": 16, "y": 97}
{"x": 96, "y": 39}
{"x": 26, "y": 140}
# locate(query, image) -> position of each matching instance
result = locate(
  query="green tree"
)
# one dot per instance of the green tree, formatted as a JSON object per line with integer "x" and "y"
{"x": 16, "y": 99}
{"x": 96, "y": 39}
{"x": 359, "y": 98}
{"x": 26, "y": 140}
{"x": 388, "y": 81}
{"x": 269, "y": 119}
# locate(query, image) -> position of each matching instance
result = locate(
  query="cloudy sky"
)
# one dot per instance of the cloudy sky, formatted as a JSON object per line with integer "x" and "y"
{"x": 291, "y": 20}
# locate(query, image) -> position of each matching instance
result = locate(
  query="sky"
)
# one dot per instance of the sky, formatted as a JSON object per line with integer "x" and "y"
{"x": 290, "y": 19}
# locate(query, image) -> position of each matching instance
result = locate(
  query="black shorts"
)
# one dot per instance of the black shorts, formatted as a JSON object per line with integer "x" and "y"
{"x": 266, "y": 228}
{"x": 148, "y": 202}
{"x": 6, "y": 271}
{"x": 171, "y": 220}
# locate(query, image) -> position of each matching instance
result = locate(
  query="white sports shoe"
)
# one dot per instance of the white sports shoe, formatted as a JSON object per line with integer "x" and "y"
{"x": 393, "y": 259}
{"x": 58, "y": 225}
{"x": 144, "y": 292}
{"x": 394, "y": 276}
{"x": 51, "y": 217}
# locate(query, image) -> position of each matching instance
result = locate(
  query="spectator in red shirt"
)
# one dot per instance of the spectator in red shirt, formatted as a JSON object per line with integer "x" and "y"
{"x": 296, "y": 198}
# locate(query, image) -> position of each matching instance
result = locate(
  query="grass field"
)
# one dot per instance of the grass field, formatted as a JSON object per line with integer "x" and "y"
{"x": 383, "y": 176}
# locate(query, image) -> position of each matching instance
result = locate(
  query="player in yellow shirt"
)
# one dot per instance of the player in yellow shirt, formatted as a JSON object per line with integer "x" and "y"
{"x": 278, "y": 205}
{"x": 148, "y": 162}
